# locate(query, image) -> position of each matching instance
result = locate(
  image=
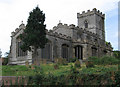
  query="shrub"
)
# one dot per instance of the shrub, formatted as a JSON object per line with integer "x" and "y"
{"x": 94, "y": 59}
{"x": 116, "y": 54}
{"x": 73, "y": 59}
{"x": 46, "y": 79}
{"x": 49, "y": 79}
{"x": 96, "y": 79}
{"x": 108, "y": 60}
{"x": 77, "y": 63}
{"x": 38, "y": 69}
{"x": 38, "y": 78}
{"x": 61, "y": 61}
{"x": 5, "y": 61}
{"x": 73, "y": 76}
{"x": 119, "y": 67}
{"x": 73, "y": 70}
{"x": 105, "y": 60}
{"x": 117, "y": 78}
{"x": 89, "y": 64}
{"x": 56, "y": 66}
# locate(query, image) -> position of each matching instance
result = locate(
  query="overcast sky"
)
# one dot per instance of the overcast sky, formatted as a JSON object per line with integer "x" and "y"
{"x": 12, "y": 12}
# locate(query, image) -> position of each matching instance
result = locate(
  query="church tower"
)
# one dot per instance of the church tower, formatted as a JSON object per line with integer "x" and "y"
{"x": 92, "y": 21}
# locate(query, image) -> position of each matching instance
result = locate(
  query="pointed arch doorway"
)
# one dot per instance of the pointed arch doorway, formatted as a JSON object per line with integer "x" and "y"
{"x": 78, "y": 52}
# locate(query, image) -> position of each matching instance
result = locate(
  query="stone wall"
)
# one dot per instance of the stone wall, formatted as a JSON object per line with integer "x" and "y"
{"x": 70, "y": 35}
{"x": 13, "y": 59}
{"x": 95, "y": 20}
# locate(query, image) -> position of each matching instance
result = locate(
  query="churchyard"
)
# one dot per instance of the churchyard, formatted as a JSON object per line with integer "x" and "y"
{"x": 95, "y": 71}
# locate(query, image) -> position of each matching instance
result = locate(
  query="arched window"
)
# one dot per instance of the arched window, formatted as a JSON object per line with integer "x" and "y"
{"x": 47, "y": 51}
{"x": 65, "y": 49}
{"x": 19, "y": 52}
{"x": 86, "y": 24}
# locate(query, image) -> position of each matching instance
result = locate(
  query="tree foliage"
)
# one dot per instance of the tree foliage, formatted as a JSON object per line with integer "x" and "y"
{"x": 116, "y": 54}
{"x": 6, "y": 54}
{"x": 34, "y": 34}
{"x": 5, "y": 61}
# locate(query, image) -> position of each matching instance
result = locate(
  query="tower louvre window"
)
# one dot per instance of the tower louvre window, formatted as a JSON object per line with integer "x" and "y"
{"x": 86, "y": 24}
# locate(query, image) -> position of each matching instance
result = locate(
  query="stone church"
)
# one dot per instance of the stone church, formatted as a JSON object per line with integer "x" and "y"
{"x": 67, "y": 41}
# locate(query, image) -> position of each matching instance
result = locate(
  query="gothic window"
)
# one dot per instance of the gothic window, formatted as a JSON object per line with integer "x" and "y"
{"x": 65, "y": 49}
{"x": 46, "y": 52}
{"x": 94, "y": 51}
{"x": 20, "y": 53}
{"x": 86, "y": 24}
{"x": 78, "y": 52}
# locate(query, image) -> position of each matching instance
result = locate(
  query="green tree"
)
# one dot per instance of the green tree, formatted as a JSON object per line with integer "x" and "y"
{"x": 6, "y": 54}
{"x": 116, "y": 54}
{"x": 34, "y": 35}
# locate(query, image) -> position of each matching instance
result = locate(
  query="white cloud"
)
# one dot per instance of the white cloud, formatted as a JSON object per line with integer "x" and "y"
{"x": 14, "y": 11}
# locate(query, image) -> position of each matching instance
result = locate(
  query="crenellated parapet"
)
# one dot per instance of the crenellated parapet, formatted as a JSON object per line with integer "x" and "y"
{"x": 22, "y": 26}
{"x": 12, "y": 33}
{"x": 88, "y": 13}
{"x": 59, "y": 35}
{"x": 72, "y": 26}
{"x": 81, "y": 31}
{"x": 65, "y": 26}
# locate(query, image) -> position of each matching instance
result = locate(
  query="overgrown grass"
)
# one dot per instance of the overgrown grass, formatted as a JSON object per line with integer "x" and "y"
{"x": 21, "y": 70}
{"x": 104, "y": 69}
{"x": 63, "y": 70}
{"x": 17, "y": 70}
{"x": 105, "y": 60}
{"x": 98, "y": 69}
{"x": 102, "y": 65}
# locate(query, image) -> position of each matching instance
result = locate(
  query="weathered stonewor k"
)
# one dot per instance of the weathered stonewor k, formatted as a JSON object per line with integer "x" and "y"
{"x": 67, "y": 41}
